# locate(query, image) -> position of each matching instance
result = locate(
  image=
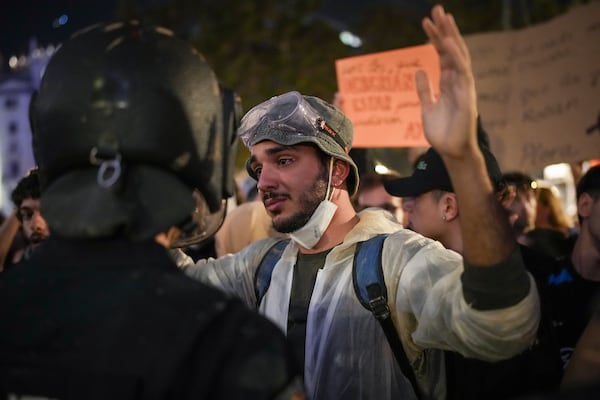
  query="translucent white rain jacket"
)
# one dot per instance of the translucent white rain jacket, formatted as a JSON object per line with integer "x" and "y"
{"x": 347, "y": 354}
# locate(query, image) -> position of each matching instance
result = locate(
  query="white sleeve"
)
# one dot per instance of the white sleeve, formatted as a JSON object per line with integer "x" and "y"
{"x": 429, "y": 287}
{"x": 233, "y": 273}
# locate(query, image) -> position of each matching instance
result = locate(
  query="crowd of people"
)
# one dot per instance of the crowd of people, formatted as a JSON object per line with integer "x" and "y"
{"x": 108, "y": 296}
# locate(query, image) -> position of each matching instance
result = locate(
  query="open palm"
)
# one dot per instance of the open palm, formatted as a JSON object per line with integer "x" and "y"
{"x": 449, "y": 121}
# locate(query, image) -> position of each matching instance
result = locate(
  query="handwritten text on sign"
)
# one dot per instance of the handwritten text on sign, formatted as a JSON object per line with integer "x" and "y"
{"x": 379, "y": 95}
{"x": 537, "y": 89}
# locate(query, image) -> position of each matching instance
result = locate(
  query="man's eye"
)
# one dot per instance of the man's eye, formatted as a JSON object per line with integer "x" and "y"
{"x": 285, "y": 161}
{"x": 257, "y": 171}
{"x": 26, "y": 214}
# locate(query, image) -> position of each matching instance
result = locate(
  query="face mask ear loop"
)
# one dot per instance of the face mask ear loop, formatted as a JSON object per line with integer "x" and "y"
{"x": 328, "y": 194}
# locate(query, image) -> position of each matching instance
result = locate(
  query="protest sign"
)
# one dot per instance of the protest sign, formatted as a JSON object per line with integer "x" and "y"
{"x": 379, "y": 95}
{"x": 538, "y": 91}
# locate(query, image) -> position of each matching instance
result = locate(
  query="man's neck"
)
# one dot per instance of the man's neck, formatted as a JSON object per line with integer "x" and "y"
{"x": 452, "y": 237}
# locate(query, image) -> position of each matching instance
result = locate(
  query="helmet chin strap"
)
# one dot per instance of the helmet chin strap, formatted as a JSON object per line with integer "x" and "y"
{"x": 328, "y": 194}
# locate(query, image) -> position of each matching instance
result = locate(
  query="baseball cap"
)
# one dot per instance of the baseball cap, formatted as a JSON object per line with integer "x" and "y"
{"x": 292, "y": 118}
{"x": 431, "y": 174}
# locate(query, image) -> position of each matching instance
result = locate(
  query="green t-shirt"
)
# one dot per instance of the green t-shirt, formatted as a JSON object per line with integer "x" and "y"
{"x": 305, "y": 275}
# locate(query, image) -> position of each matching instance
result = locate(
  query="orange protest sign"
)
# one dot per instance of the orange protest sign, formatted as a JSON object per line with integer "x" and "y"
{"x": 379, "y": 95}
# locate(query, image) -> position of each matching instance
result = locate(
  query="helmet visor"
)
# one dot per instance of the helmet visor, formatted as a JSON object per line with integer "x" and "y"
{"x": 202, "y": 224}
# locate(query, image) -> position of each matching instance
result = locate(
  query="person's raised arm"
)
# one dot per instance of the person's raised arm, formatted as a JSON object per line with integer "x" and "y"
{"x": 450, "y": 126}
{"x": 494, "y": 275}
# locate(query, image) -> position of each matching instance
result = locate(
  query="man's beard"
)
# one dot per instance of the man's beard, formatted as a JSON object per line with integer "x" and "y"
{"x": 36, "y": 238}
{"x": 309, "y": 201}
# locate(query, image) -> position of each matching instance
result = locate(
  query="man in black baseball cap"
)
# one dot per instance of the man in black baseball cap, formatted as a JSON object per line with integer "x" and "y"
{"x": 430, "y": 179}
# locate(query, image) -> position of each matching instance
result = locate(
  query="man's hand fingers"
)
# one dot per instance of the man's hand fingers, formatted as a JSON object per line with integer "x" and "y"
{"x": 424, "y": 89}
{"x": 432, "y": 32}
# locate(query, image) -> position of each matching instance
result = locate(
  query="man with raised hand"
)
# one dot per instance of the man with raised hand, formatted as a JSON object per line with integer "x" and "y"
{"x": 484, "y": 306}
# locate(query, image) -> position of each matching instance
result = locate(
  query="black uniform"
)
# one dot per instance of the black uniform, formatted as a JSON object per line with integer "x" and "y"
{"x": 112, "y": 319}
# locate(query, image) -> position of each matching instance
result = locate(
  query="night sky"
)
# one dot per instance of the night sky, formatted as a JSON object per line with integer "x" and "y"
{"x": 22, "y": 19}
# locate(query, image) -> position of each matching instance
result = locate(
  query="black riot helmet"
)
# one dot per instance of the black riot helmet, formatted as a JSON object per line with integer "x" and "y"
{"x": 133, "y": 134}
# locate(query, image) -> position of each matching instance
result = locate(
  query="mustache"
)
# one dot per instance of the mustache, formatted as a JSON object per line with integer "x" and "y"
{"x": 37, "y": 237}
{"x": 273, "y": 195}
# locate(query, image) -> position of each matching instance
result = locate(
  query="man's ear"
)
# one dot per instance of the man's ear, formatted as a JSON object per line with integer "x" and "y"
{"x": 584, "y": 205}
{"x": 341, "y": 170}
{"x": 450, "y": 206}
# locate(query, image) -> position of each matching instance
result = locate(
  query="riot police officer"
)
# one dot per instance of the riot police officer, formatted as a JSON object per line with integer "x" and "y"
{"x": 134, "y": 136}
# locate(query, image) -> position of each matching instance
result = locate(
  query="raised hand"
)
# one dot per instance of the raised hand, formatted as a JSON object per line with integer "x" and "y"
{"x": 449, "y": 121}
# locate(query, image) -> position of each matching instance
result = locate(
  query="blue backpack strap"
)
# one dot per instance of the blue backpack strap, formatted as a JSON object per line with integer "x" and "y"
{"x": 370, "y": 288}
{"x": 367, "y": 269}
{"x": 262, "y": 276}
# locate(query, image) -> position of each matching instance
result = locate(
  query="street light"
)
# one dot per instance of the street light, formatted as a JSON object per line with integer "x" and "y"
{"x": 350, "y": 39}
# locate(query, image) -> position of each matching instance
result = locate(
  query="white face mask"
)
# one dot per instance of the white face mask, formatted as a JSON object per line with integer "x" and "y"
{"x": 310, "y": 234}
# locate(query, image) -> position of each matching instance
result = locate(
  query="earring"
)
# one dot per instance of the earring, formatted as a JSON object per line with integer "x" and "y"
{"x": 444, "y": 217}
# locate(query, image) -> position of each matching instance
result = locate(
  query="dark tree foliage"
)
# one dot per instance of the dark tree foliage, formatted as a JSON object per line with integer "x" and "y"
{"x": 260, "y": 48}
{"x": 263, "y": 48}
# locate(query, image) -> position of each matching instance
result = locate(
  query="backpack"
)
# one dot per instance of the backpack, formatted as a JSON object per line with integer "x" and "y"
{"x": 369, "y": 287}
